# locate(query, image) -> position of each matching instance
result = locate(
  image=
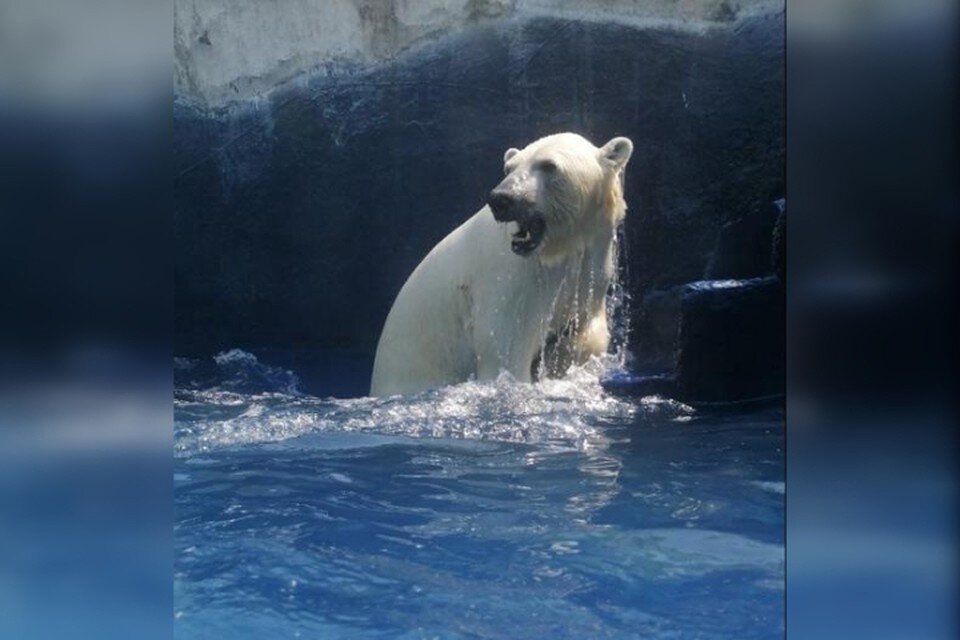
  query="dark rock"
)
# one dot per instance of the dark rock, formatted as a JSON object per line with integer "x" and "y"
{"x": 655, "y": 333}
{"x": 742, "y": 248}
{"x": 731, "y": 341}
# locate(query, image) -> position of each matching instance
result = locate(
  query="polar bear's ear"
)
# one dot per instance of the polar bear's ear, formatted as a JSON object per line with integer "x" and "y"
{"x": 617, "y": 152}
{"x": 509, "y": 154}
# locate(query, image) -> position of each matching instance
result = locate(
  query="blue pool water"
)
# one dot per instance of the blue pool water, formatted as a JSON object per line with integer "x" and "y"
{"x": 496, "y": 510}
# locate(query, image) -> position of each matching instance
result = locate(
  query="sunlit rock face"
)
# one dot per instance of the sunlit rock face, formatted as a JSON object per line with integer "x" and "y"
{"x": 311, "y": 180}
{"x": 233, "y": 50}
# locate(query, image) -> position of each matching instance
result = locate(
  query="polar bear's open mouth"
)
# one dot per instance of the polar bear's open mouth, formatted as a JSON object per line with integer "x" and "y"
{"x": 528, "y": 236}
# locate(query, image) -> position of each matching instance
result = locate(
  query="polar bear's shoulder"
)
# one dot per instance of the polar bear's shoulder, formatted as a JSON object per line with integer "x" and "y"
{"x": 479, "y": 241}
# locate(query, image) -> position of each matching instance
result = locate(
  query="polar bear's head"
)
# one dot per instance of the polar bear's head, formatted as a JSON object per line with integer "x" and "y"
{"x": 559, "y": 189}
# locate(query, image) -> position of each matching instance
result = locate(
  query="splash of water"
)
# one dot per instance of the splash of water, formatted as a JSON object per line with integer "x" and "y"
{"x": 561, "y": 413}
{"x": 234, "y": 370}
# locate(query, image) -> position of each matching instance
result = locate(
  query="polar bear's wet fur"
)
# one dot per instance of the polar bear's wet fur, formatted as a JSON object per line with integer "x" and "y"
{"x": 520, "y": 286}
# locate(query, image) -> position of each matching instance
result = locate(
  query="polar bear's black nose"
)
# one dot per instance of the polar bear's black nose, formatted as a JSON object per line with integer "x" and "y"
{"x": 501, "y": 205}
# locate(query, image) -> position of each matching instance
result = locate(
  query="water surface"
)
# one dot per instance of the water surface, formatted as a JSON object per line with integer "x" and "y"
{"x": 494, "y": 510}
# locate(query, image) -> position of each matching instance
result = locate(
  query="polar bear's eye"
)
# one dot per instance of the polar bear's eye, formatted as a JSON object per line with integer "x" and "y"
{"x": 548, "y": 166}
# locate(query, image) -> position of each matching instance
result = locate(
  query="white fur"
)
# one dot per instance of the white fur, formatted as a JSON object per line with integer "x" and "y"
{"x": 473, "y": 308}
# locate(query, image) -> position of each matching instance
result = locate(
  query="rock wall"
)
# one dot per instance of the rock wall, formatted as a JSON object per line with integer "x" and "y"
{"x": 301, "y": 209}
{"x": 229, "y": 51}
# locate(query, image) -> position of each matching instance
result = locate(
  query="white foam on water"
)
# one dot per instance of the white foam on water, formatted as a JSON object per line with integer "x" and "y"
{"x": 562, "y": 412}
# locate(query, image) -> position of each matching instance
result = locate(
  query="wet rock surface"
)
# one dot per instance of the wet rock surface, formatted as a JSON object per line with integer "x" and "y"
{"x": 298, "y": 218}
{"x": 731, "y": 340}
{"x": 742, "y": 248}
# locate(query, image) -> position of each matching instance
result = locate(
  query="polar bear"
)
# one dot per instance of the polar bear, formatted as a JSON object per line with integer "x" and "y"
{"x": 520, "y": 286}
